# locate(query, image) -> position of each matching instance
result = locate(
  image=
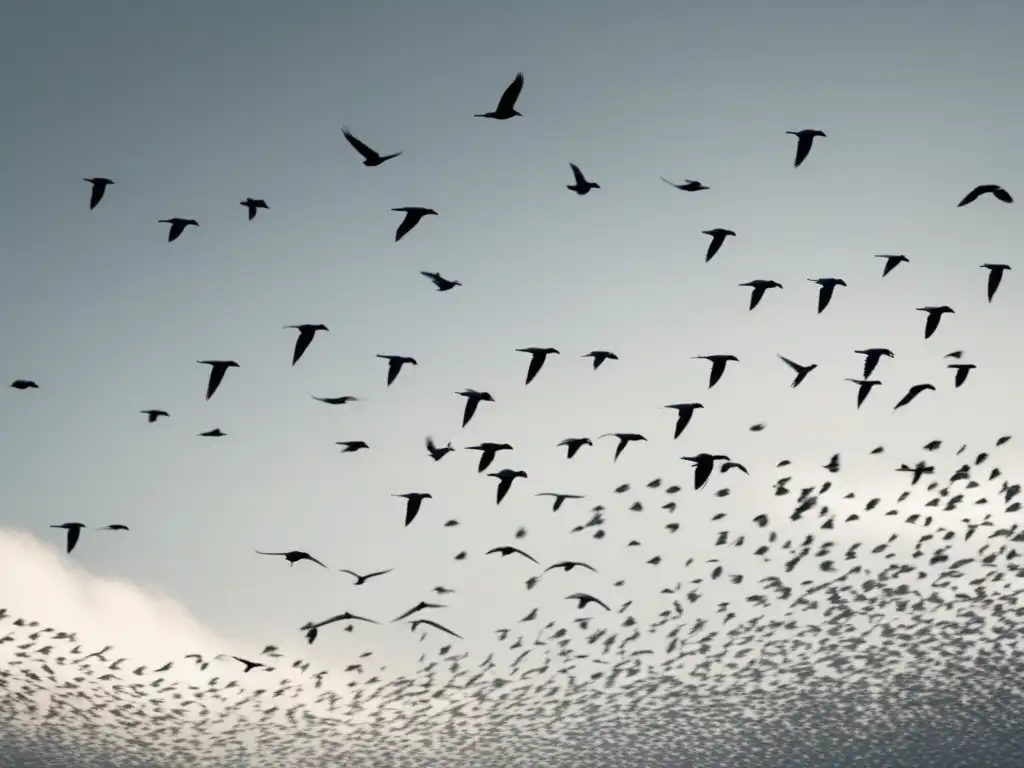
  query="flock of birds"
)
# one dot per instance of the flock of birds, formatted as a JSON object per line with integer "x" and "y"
{"x": 929, "y": 624}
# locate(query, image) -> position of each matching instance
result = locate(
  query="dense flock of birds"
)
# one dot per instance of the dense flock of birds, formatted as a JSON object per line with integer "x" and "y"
{"x": 908, "y": 660}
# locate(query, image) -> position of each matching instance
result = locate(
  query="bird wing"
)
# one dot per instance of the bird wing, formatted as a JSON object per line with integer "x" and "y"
{"x": 970, "y": 197}
{"x": 507, "y": 102}
{"x": 97, "y": 194}
{"x": 578, "y": 174}
{"x": 412, "y": 508}
{"x": 536, "y": 363}
{"x": 177, "y": 227}
{"x": 516, "y": 549}
{"x": 796, "y": 368}
{"x": 216, "y": 377}
{"x": 359, "y": 146}
{"x": 301, "y": 343}
{"x": 803, "y": 148}
{"x": 269, "y": 553}
{"x": 471, "y": 404}
{"x": 411, "y": 220}
{"x": 1002, "y": 194}
{"x": 437, "y": 626}
{"x": 394, "y": 366}
{"x": 73, "y": 534}
{"x": 377, "y": 573}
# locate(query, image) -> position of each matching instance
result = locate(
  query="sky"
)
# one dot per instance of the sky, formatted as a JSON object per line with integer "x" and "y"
{"x": 193, "y": 111}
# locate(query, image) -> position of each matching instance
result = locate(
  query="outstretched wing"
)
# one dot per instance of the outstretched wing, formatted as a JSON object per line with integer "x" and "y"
{"x": 359, "y": 146}
{"x": 508, "y": 99}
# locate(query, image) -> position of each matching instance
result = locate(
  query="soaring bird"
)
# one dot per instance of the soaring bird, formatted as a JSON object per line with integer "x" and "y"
{"x": 804, "y": 140}
{"x": 962, "y": 369}
{"x": 487, "y": 453}
{"x": 717, "y": 236}
{"x": 585, "y": 599}
{"x": 505, "y": 478}
{"x": 560, "y": 499}
{"x": 689, "y": 186}
{"x": 413, "y": 215}
{"x": 249, "y": 665}
{"x": 573, "y": 445}
{"x": 311, "y": 629}
{"x": 214, "y": 433}
{"x": 306, "y": 333}
{"x": 507, "y": 103}
{"x": 114, "y": 527}
{"x": 177, "y": 227}
{"x": 24, "y": 384}
{"x": 395, "y": 363}
{"x": 506, "y": 551}
{"x": 99, "y": 188}
{"x": 580, "y": 184}
{"x": 153, "y": 415}
{"x": 684, "y": 412}
{"x": 891, "y": 262}
{"x": 759, "y": 288}
{"x": 625, "y": 438}
{"x": 422, "y": 605}
{"x": 74, "y": 531}
{"x": 413, "y": 502}
{"x": 995, "y": 277}
{"x": 342, "y": 400}
{"x": 827, "y": 286}
{"x": 600, "y": 355}
{"x": 718, "y": 363}
{"x": 864, "y": 387}
{"x": 473, "y": 399}
{"x": 537, "y": 357}
{"x": 351, "y": 446}
{"x": 801, "y": 371}
{"x": 370, "y": 157}
{"x": 253, "y": 204}
{"x": 913, "y": 392}
{"x": 293, "y": 556}
{"x": 935, "y": 314}
{"x": 360, "y": 580}
{"x": 703, "y": 466}
{"x": 415, "y": 624}
{"x": 438, "y": 453}
{"x": 442, "y": 283}
{"x": 568, "y": 565}
{"x": 871, "y": 358}
{"x": 993, "y": 189}
{"x": 217, "y": 370}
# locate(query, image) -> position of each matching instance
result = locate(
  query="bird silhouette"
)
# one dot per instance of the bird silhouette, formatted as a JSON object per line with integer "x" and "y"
{"x": 437, "y": 453}
{"x": 114, "y": 527}
{"x": 864, "y": 387}
{"x": 573, "y": 445}
{"x": 395, "y": 363}
{"x": 560, "y": 499}
{"x": 537, "y": 357}
{"x": 342, "y": 400}
{"x": 913, "y": 392}
{"x": 293, "y": 556}
{"x": 717, "y": 236}
{"x": 74, "y": 532}
{"x": 415, "y": 624}
{"x": 891, "y": 262}
{"x": 827, "y": 286}
{"x": 804, "y": 140}
{"x": 689, "y": 186}
{"x": 507, "y": 550}
{"x": 442, "y": 283}
{"x": 370, "y": 157}
{"x": 684, "y": 412}
{"x": 177, "y": 227}
{"x": 99, "y": 188}
{"x": 625, "y": 438}
{"x": 599, "y": 356}
{"x": 253, "y": 204}
{"x": 351, "y": 446}
{"x": 801, "y": 371}
{"x": 153, "y": 415}
{"x": 962, "y": 369}
{"x": 871, "y": 358}
{"x": 718, "y": 363}
{"x": 568, "y": 565}
{"x": 487, "y": 452}
{"x": 24, "y": 384}
{"x": 422, "y": 605}
{"x": 759, "y": 288}
{"x": 360, "y": 580}
{"x": 583, "y": 600}
{"x": 306, "y": 333}
{"x": 995, "y": 277}
{"x": 580, "y": 184}
{"x": 413, "y": 215}
{"x": 413, "y": 502}
{"x": 217, "y": 370}
{"x": 507, "y": 103}
{"x": 505, "y": 478}
{"x": 473, "y": 399}
{"x": 935, "y": 314}
{"x": 214, "y": 433}
{"x": 986, "y": 189}
{"x": 703, "y": 466}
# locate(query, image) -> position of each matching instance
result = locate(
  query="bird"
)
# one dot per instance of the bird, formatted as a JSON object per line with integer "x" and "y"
{"x": 992, "y": 189}
{"x": 537, "y": 357}
{"x": 584, "y": 599}
{"x": 505, "y": 478}
{"x": 560, "y": 499}
{"x": 24, "y": 384}
{"x": 306, "y": 333}
{"x": 442, "y": 283}
{"x": 177, "y": 227}
{"x": 413, "y": 215}
{"x": 74, "y": 531}
{"x": 99, "y": 188}
{"x": 703, "y": 466}
{"x": 214, "y": 433}
{"x": 506, "y": 551}
{"x": 487, "y": 453}
{"x": 395, "y": 363}
{"x": 351, "y": 446}
{"x": 573, "y": 445}
{"x": 689, "y": 186}
{"x": 360, "y": 580}
{"x": 370, "y": 157}
{"x": 625, "y": 438}
{"x": 871, "y": 358}
{"x": 217, "y": 370}
{"x": 506, "y": 108}
{"x": 413, "y": 502}
{"x": 801, "y": 371}
{"x": 438, "y": 453}
{"x": 913, "y": 392}
{"x": 253, "y": 204}
{"x": 473, "y": 399}
{"x": 891, "y": 262}
{"x": 717, "y": 236}
{"x": 420, "y": 606}
{"x": 962, "y": 369}
{"x": 995, "y": 277}
{"x": 864, "y": 387}
{"x": 153, "y": 415}
{"x": 249, "y": 665}
{"x": 684, "y": 412}
{"x": 293, "y": 556}
{"x": 568, "y": 565}
{"x": 114, "y": 527}
{"x": 826, "y": 289}
{"x": 718, "y": 363}
{"x": 600, "y": 355}
{"x": 580, "y": 184}
{"x": 417, "y": 622}
{"x": 934, "y": 316}
{"x": 759, "y": 289}
{"x": 804, "y": 140}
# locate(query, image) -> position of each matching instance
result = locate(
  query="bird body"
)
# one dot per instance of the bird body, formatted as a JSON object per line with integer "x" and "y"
{"x": 74, "y": 532}
{"x": 935, "y": 314}
{"x": 759, "y": 288}
{"x": 718, "y": 363}
{"x": 684, "y": 412}
{"x": 986, "y": 189}
{"x": 580, "y": 184}
{"x": 995, "y": 277}
{"x": 537, "y": 357}
{"x": 891, "y": 262}
{"x": 827, "y": 286}
{"x": 505, "y": 478}
{"x": 395, "y": 363}
{"x": 413, "y": 502}
{"x": 253, "y": 204}
{"x": 442, "y": 283}
{"x": 507, "y": 103}
{"x": 487, "y": 453}
{"x": 217, "y": 370}
{"x": 473, "y": 399}
{"x": 153, "y": 415}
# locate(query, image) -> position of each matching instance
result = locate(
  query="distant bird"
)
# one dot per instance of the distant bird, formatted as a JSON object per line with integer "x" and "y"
{"x": 684, "y": 412}
{"x": 177, "y": 227}
{"x": 249, "y": 665}
{"x": 217, "y": 370}
{"x": 913, "y": 392}
{"x": 891, "y": 262}
{"x": 718, "y": 363}
{"x": 568, "y": 565}
{"x": 689, "y": 186}
{"x": 306, "y": 333}
{"x": 487, "y": 452}
{"x": 293, "y": 556}
{"x": 580, "y": 184}
{"x": 537, "y": 357}
{"x": 505, "y": 478}
{"x": 214, "y": 433}
{"x": 507, "y": 103}
{"x": 801, "y": 371}
{"x": 625, "y": 438}
{"x": 99, "y": 188}
{"x": 74, "y": 531}
{"x": 957, "y": 354}
{"x": 360, "y": 580}
{"x": 962, "y": 369}
{"x": 413, "y": 215}
{"x": 864, "y": 388}
{"x": 437, "y": 453}
{"x": 395, "y": 363}
{"x": 717, "y": 236}
{"x": 253, "y": 204}
{"x": 413, "y": 502}
{"x": 993, "y": 189}
{"x": 114, "y": 527}
{"x": 560, "y": 499}
{"x": 24, "y": 384}
{"x": 934, "y": 316}
{"x": 370, "y": 157}
{"x": 342, "y": 400}
{"x": 760, "y": 287}
{"x": 995, "y": 277}
{"x": 584, "y": 600}
{"x": 573, "y": 445}
{"x": 415, "y": 624}
{"x": 422, "y": 605}
{"x": 599, "y": 356}
{"x": 804, "y": 140}
{"x": 442, "y": 283}
{"x": 506, "y": 551}
{"x": 153, "y": 415}
{"x": 827, "y": 286}
{"x": 351, "y": 446}
{"x": 871, "y": 358}
{"x": 473, "y": 399}
{"x": 703, "y": 466}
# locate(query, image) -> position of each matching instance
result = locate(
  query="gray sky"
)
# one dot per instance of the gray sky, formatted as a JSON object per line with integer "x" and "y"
{"x": 192, "y": 111}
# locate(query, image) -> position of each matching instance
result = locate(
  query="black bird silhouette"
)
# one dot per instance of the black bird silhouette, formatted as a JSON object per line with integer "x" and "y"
{"x": 473, "y": 399}
{"x": 580, "y": 184}
{"x": 804, "y": 140}
{"x": 306, "y": 333}
{"x": 826, "y": 289}
{"x": 992, "y": 189}
{"x": 995, "y": 277}
{"x": 415, "y": 623}
{"x": 420, "y": 606}
{"x": 249, "y": 665}
{"x": 311, "y": 629}
{"x": 568, "y": 565}
{"x": 99, "y": 188}
{"x": 413, "y": 215}
{"x": 585, "y": 599}
{"x": 962, "y": 369}
{"x": 153, "y": 415}
{"x": 24, "y": 384}
{"x": 801, "y": 371}
{"x": 864, "y": 388}
{"x": 703, "y": 466}
{"x": 506, "y": 551}
{"x": 395, "y": 363}
{"x": 442, "y": 283}
{"x": 413, "y": 502}
{"x": 438, "y": 453}
{"x": 342, "y": 400}
{"x": 487, "y": 453}
{"x": 600, "y": 355}
{"x": 718, "y": 236}
{"x": 913, "y": 392}
{"x": 293, "y": 556}
{"x": 217, "y": 370}
{"x": 537, "y": 357}
{"x": 114, "y": 527}
{"x": 253, "y": 204}
{"x": 718, "y": 363}
{"x": 505, "y": 478}
{"x": 689, "y": 186}
{"x": 573, "y": 445}
{"x": 625, "y": 438}
{"x": 507, "y": 103}
{"x": 351, "y": 446}
{"x": 891, "y": 262}
{"x": 684, "y": 412}
{"x": 74, "y": 531}
{"x": 871, "y": 358}
{"x": 214, "y": 433}
{"x": 360, "y": 580}
{"x": 370, "y": 157}
{"x": 759, "y": 286}
{"x": 177, "y": 227}
{"x": 935, "y": 314}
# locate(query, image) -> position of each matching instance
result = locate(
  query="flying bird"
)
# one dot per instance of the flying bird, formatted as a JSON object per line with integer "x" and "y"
{"x": 395, "y": 363}
{"x": 153, "y": 415}
{"x": 99, "y": 188}
{"x": 473, "y": 399}
{"x": 537, "y": 357}
{"x": 370, "y": 157}
{"x": 759, "y": 289}
{"x": 573, "y": 445}
{"x": 249, "y": 665}
{"x": 891, "y": 262}
{"x": 217, "y": 370}
{"x": 600, "y": 355}
{"x": 114, "y": 527}
{"x": 360, "y": 580}
{"x": 413, "y": 502}
{"x": 827, "y": 286}
{"x": 913, "y": 392}
{"x": 717, "y": 236}
{"x": 437, "y": 453}
{"x": 684, "y": 412}
{"x": 420, "y": 606}
{"x": 416, "y": 623}
{"x": 560, "y": 499}
{"x": 351, "y": 446}
{"x": 568, "y": 565}
{"x": 24, "y": 384}
{"x": 507, "y": 103}
{"x": 689, "y": 186}
{"x": 177, "y": 227}
{"x": 871, "y": 358}
{"x": 74, "y": 531}
{"x": 580, "y": 184}
{"x": 342, "y": 400}
{"x": 992, "y": 189}
{"x": 442, "y": 283}
{"x": 505, "y": 478}
{"x": 718, "y": 363}
{"x": 506, "y": 551}
{"x": 962, "y": 369}
{"x": 804, "y": 140}
{"x": 934, "y": 316}
{"x": 584, "y": 600}
{"x": 801, "y": 371}
{"x": 864, "y": 388}
{"x": 413, "y": 215}
{"x": 214, "y": 433}
{"x": 293, "y": 556}
{"x": 625, "y": 438}
{"x": 487, "y": 452}
{"x": 703, "y": 466}
{"x": 253, "y": 204}
{"x": 995, "y": 277}
{"x": 306, "y": 333}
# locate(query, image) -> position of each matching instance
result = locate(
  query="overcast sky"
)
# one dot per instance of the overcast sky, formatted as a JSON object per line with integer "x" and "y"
{"x": 191, "y": 112}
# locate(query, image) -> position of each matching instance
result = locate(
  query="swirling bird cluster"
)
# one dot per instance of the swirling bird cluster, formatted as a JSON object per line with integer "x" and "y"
{"x": 894, "y": 624}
